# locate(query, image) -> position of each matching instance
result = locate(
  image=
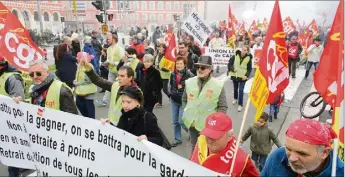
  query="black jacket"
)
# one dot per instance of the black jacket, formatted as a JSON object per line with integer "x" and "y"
{"x": 174, "y": 92}
{"x": 191, "y": 59}
{"x": 136, "y": 123}
{"x": 75, "y": 48}
{"x": 232, "y": 61}
{"x": 195, "y": 49}
{"x": 67, "y": 68}
{"x": 151, "y": 84}
{"x": 97, "y": 46}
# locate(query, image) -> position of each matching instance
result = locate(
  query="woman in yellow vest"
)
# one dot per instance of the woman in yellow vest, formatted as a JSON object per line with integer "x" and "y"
{"x": 165, "y": 73}
{"x": 84, "y": 89}
{"x": 239, "y": 68}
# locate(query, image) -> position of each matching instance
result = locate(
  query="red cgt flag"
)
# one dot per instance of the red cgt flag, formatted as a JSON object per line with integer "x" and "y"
{"x": 272, "y": 76}
{"x": 231, "y": 31}
{"x": 288, "y": 25}
{"x": 16, "y": 45}
{"x": 168, "y": 61}
{"x": 313, "y": 27}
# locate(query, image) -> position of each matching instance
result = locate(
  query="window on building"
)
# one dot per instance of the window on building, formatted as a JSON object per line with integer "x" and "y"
{"x": 143, "y": 5}
{"x": 56, "y": 17}
{"x": 152, "y": 5}
{"x": 168, "y": 17}
{"x": 135, "y": 5}
{"x": 46, "y": 16}
{"x": 144, "y": 16}
{"x": 15, "y": 12}
{"x": 152, "y": 17}
{"x": 168, "y": 5}
{"x": 160, "y": 5}
{"x": 160, "y": 17}
{"x": 176, "y": 6}
{"x": 136, "y": 16}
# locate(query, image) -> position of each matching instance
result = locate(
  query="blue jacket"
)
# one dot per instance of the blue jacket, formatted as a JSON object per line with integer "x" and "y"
{"x": 277, "y": 165}
{"x": 89, "y": 49}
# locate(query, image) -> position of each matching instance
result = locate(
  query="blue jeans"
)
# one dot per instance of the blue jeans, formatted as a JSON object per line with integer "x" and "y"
{"x": 259, "y": 160}
{"x": 86, "y": 107}
{"x": 309, "y": 65}
{"x": 177, "y": 112}
{"x": 238, "y": 91}
{"x": 274, "y": 109}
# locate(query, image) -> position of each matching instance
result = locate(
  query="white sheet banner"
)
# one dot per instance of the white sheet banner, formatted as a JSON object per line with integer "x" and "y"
{"x": 220, "y": 56}
{"x": 196, "y": 27}
{"x": 62, "y": 144}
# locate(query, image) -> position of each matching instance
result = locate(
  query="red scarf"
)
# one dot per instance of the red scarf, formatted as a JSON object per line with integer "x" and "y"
{"x": 178, "y": 77}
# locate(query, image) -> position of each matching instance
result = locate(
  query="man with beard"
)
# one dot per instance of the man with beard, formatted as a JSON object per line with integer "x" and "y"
{"x": 203, "y": 96}
{"x": 192, "y": 47}
{"x": 191, "y": 57}
{"x": 307, "y": 152}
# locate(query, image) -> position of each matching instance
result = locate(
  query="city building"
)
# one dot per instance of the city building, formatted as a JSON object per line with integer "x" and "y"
{"x": 129, "y": 13}
{"x": 27, "y": 13}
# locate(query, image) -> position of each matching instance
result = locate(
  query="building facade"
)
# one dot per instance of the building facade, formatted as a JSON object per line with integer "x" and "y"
{"x": 27, "y": 13}
{"x": 130, "y": 13}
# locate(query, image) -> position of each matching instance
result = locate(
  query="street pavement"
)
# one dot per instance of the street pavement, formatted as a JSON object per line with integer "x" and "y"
{"x": 289, "y": 112}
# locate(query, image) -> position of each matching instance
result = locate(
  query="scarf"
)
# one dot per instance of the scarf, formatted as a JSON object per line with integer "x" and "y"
{"x": 179, "y": 75}
{"x": 37, "y": 90}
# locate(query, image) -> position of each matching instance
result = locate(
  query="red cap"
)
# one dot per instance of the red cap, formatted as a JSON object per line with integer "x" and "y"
{"x": 217, "y": 124}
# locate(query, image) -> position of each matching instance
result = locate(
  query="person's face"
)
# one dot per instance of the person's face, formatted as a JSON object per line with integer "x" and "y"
{"x": 129, "y": 103}
{"x": 135, "y": 41}
{"x": 217, "y": 34}
{"x": 182, "y": 49}
{"x": 95, "y": 34}
{"x": 260, "y": 123}
{"x": 244, "y": 51}
{"x": 161, "y": 49}
{"x": 109, "y": 39}
{"x": 179, "y": 65}
{"x": 258, "y": 40}
{"x": 203, "y": 71}
{"x": 294, "y": 39}
{"x": 148, "y": 63}
{"x": 146, "y": 44}
{"x": 304, "y": 157}
{"x": 217, "y": 145}
{"x": 317, "y": 43}
{"x": 124, "y": 80}
{"x": 38, "y": 74}
{"x": 188, "y": 41}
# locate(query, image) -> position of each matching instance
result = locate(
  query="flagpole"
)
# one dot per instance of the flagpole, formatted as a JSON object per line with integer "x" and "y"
{"x": 335, "y": 157}
{"x": 240, "y": 135}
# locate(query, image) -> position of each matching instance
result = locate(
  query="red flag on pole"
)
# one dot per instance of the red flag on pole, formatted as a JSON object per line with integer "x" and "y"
{"x": 16, "y": 44}
{"x": 231, "y": 31}
{"x": 272, "y": 76}
{"x": 168, "y": 61}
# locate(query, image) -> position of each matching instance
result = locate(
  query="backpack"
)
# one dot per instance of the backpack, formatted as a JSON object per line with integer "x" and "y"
{"x": 166, "y": 144}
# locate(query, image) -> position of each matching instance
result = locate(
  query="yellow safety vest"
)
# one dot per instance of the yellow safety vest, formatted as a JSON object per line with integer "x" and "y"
{"x": 113, "y": 52}
{"x": 164, "y": 74}
{"x": 53, "y": 95}
{"x": 84, "y": 89}
{"x": 3, "y": 79}
{"x": 241, "y": 68}
{"x": 200, "y": 105}
{"x": 115, "y": 106}
{"x": 134, "y": 63}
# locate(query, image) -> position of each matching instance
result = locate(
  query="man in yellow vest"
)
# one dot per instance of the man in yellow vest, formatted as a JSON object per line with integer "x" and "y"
{"x": 114, "y": 54}
{"x": 12, "y": 85}
{"x": 203, "y": 96}
{"x": 125, "y": 78}
{"x": 239, "y": 68}
{"x": 49, "y": 92}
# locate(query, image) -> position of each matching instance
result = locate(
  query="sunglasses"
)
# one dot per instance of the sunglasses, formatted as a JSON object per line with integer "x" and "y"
{"x": 38, "y": 74}
{"x": 201, "y": 67}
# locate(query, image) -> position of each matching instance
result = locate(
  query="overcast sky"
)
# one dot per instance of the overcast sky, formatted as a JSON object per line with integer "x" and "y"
{"x": 304, "y": 10}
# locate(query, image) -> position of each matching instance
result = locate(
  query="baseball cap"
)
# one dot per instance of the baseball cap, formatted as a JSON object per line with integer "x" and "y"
{"x": 217, "y": 124}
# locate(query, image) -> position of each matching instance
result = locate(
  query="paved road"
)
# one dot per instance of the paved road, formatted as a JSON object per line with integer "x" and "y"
{"x": 288, "y": 113}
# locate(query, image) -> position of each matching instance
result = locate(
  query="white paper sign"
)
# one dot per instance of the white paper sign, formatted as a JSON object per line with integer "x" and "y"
{"x": 196, "y": 27}
{"x": 64, "y": 144}
{"x": 220, "y": 56}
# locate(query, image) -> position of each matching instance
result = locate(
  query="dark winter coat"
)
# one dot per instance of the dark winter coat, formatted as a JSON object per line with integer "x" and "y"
{"x": 75, "y": 48}
{"x": 136, "y": 123}
{"x": 232, "y": 61}
{"x": 68, "y": 68}
{"x": 151, "y": 84}
{"x": 191, "y": 59}
{"x": 174, "y": 92}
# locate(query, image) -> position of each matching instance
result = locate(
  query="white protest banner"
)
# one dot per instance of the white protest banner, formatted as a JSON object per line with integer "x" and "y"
{"x": 195, "y": 26}
{"x": 220, "y": 55}
{"x": 64, "y": 145}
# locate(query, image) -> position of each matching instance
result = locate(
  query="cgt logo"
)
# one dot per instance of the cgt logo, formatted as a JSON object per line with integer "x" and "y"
{"x": 22, "y": 53}
{"x": 50, "y": 104}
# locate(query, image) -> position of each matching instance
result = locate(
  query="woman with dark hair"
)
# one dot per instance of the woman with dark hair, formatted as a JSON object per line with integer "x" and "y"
{"x": 176, "y": 86}
{"x": 67, "y": 63}
{"x": 165, "y": 73}
{"x": 132, "y": 61}
{"x": 135, "y": 119}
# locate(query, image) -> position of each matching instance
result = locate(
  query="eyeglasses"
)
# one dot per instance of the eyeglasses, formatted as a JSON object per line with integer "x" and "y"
{"x": 201, "y": 67}
{"x": 38, "y": 74}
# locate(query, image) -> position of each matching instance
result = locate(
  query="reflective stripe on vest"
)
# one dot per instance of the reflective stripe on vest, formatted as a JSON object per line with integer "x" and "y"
{"x": 199, "y": 106}
{"x": 84, "y": 89}
{"x": 113, "y": 58}
{"x": 241, "y": 68}
{"x": 115, "y": 106}
{"x": 3, "y": 79}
